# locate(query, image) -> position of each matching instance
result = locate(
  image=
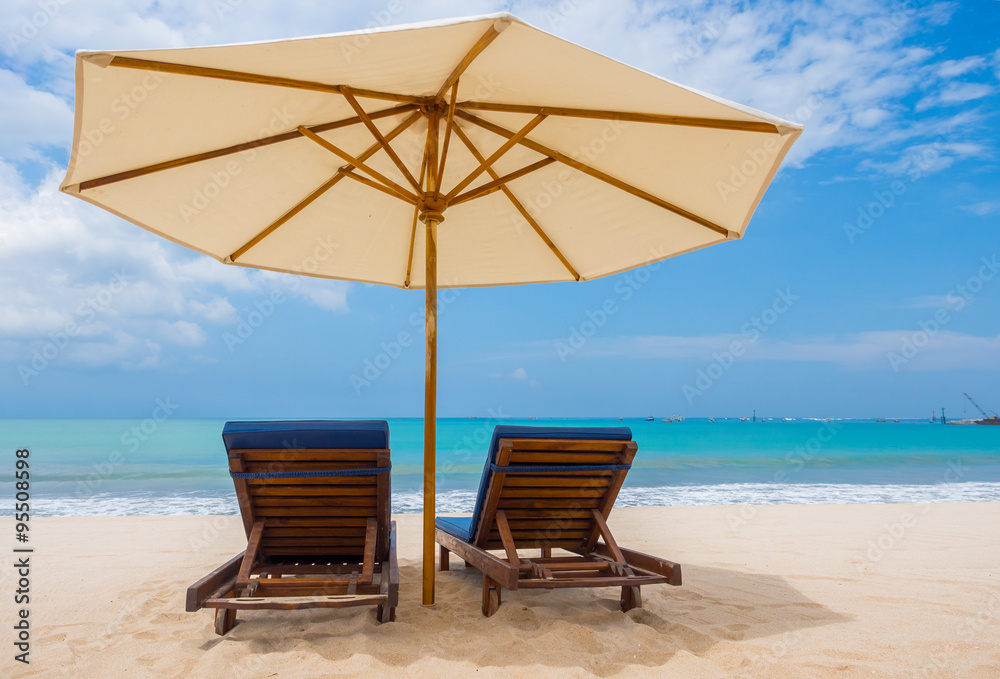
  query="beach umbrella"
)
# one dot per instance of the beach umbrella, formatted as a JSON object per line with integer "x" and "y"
{"x": 460, "y": 153}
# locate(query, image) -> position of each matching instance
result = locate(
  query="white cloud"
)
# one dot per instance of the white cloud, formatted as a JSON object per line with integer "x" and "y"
{"x": 31, "y": 118}
{"x": 942, "y": 350}
{"x": 88, "y": 289}
{"x": 520, "y": 374}
{"x": 956, "y": 93}
{"x": 984, "y": 208}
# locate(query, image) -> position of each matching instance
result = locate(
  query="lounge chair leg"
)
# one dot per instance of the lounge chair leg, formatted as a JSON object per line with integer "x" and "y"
{"x": 225, "y": 620}
{"x": 386, "y": 613}
{"x": 467, "y": 564}
{"x": 491, "y": 596}
{"x": 631, "y": 598}
{"x": 546, "y": 552}
{"x": 444, "y": 559}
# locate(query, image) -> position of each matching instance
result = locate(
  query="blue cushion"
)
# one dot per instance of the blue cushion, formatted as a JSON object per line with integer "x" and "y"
{"x": 459, "y": 526}
{"x": 306, "y": 434}
{"x": 511, "y": 431}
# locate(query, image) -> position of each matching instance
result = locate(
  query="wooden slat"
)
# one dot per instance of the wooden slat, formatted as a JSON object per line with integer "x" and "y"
{"x": 597, "y": 174}
{"x": 541, "y": 492}
{"x": 492, "y": 567}
{"x": 526, "y": 544}
{"x": 559, "y": 457}
{"x": 624, "y": 116}
{"x": 293, "y": 490}
{"x": 295, "y": 603}
{"x": 492, "y": 497}
{"x": 256, "y": 79}
{"x": 368, "y": 565}
{"x": 627, "y": 455}
{"x": 315, "y": 522}
{"x": 506, "y": 538}
{"x": 521, "y": 534}
{"x": 309, "y": 542}
{"x": 199, "y": 591}
{"x": 319, "y": 532}
{"x": 344, "y": 501}
{"x": 242, "y": 495}
{"x": 614, "y": 581}
{"x": 250, "y": 556}
{"x": 235, "y": 148}
{"x": 297, "y": 455}
{"x": 289, "y": 512}
{"x": 383, "y": 507}
{"x": 555, "y": 503}
{"x": 310, "y": 481}
{"x": 568, "y": 445}
{"x": 555, "y": 480}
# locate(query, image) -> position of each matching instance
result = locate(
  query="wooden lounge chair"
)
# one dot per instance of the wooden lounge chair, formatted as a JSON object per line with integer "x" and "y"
{"x": 315, "y": 503}
{"x": 552, "y": 487}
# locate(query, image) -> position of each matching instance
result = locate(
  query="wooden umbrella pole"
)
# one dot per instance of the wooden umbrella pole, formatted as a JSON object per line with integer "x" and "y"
{"x": 431, "y": 219}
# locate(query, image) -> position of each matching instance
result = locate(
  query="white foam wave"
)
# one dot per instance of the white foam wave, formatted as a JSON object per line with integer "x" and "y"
{"x": 458, "y": 501}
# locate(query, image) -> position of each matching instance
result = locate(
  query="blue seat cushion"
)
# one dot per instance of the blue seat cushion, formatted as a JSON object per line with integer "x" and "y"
{"x": 459, "y": 526}
{"x": 510, "y": 431}
{"x": 306, "y": 434}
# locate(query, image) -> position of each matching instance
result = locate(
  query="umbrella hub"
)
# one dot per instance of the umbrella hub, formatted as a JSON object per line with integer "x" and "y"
{"x": 432, "y": 206}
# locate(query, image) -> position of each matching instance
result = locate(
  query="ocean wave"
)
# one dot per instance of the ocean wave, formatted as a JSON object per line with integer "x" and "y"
{"x": 459, "y": 501}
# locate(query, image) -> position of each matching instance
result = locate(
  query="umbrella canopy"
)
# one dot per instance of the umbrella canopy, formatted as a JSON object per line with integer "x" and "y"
{"x": 462, "y": 153}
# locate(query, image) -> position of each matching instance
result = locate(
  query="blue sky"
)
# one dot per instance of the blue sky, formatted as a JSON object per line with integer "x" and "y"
{"x": 866, "y": 285}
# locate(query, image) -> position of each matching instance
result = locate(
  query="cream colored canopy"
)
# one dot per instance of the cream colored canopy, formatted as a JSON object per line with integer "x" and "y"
{"x": 308, "y": 155}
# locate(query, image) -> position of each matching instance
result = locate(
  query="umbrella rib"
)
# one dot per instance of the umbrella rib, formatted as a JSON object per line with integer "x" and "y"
{"x": 379, "y": 138}
{"x": 688, "y": 121}
{"x": 449, "y": 122}
{"x": 359, "y": 164}
{"x": 413, "y": 229}
{"x": 495, "y": 29}
{"x": 327, "y": 185}
{"x": 252, "y": 78}
{"x": 498, "y": 182}
{"x": 375, "y": 185}
{"x": 520, "y": 208}
{"x": 486, "y": 163}
{"x": 237, "y": 148}
{"x": 597, "y": 174}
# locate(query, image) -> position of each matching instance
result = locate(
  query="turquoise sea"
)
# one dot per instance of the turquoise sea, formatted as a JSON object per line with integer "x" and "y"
{"x": 121, "y": 467}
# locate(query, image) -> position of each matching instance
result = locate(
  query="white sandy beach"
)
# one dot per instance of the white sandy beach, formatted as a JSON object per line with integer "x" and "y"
{"x": 770, "y": 591}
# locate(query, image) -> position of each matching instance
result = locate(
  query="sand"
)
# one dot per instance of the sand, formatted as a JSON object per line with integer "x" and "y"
{"x": 775, "y": 591}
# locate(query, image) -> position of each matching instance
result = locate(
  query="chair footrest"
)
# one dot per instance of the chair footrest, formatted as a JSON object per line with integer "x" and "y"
{"x": 295, "y": 602}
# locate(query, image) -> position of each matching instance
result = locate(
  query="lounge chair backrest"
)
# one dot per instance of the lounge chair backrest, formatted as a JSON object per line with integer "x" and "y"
{"x": 547, "y": 480}
{"x": 308, "y": 481}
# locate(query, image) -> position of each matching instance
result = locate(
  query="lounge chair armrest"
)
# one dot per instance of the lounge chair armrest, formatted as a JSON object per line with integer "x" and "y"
{"x": 211, "y": 583}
